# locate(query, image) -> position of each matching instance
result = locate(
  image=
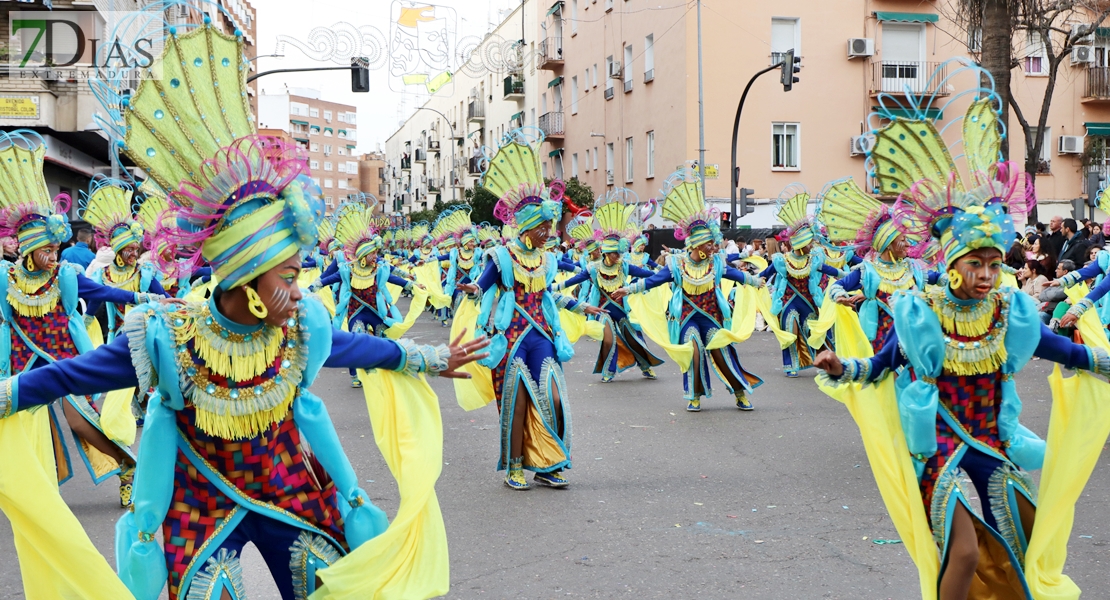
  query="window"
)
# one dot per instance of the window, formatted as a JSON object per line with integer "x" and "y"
{"x": 327, "y": 116}
{"x": 595, "y": 157}
{"x": 314, "y": 112}
{"x": 327, "y": 165}
{"x": 574, "y": 157}
{"x": 975, "y": 40}
{"x": 342, "y": 117}
{"x": 315, "y": 147}
{"x": 1035, "y": 61}
{"x": 559, "y": 166}
{"x": 627, "y": 67}
{"x": 587, "y": 165}
{"x": 784, "y": 146}
{"x": 327, "y": 149}
{"x": 315, "y": 165}
{"x": 1044, "y": 162}
{"x": 351, "y": 134}
{"x": 573, "y": 17}
{"x": 609, "y": 160}
{"x": 328, "y": 183}
{"x": 329, "y": 201}
{"x": 342, "y": 152}
{"x": 649, "y": 57}
{"x": 351, "y": 118}
{"x": 595, "y": 75}
{"x": 785, "y": 36}
{"x": 574, "y": 95}
{"x": 543, "y": 103}
{"x": 629, "y": 160}
{"x": 352, "y": 167}
{"x": 650, "y": 171}
{"x": 608, "y": 69}
{"x": 342, "y": 184}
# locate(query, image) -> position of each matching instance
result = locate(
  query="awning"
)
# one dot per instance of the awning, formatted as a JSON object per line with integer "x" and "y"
{"x": 555, "y": 82}
{"x": 902, "y": 17}
{"x": 351, "y": 147}
{"x": 1097, "y": 128}
{"x": 1102, "y": 32}
{"x": 343, "y": 131}
{"x": 301, "y": 139}
{"x": 295, "y": 122}
{"x": 519, "y": 115}
{"x": 930, "y": 113}
{"x": 474, "y": 133}
{"x": 555, "y": 152}
{"x": 555, "y": 8}
{"x": 315, "y": 128}
{"x": 329, "y": 129}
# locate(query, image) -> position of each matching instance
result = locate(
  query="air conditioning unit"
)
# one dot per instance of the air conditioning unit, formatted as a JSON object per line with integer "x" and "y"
{"x": 860, "y": 144}
{"x": 1071, "y": 144}
{"x": 1082, "y": 33}
{"x": 1082, "y": 55}
{"x": 474, "y": 93}
{"x": 615, "y": 69}
{"x": 860, "y": 47}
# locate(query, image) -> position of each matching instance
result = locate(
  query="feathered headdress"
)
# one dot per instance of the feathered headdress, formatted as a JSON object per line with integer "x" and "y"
{"x": 107, "y": 207}
{"x": 793, "y": 212}
{"x": 850, "y": 217}
{"x": 420, "y": 233}
{"x": 911, "y": 159}
{"x": 153, "y": 213}
{"x": 614, "y": 216}
{"x": 684, "y": 205}
{"x": 26, "y": 211}
{"x": 326, "y": 231}
{"x": 488, "y": 234}
{"x": 356, "y": 230}
{"x": 514, "y": 175}
{"x": 242, "y": 202}
{"x": 581, "y": 230}
{"x": 454, "y": 224}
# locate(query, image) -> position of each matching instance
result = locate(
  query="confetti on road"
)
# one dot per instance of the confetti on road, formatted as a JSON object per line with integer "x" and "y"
{"x": 883, "y": 542}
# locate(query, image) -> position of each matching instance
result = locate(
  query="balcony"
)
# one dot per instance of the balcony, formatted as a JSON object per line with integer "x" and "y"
{"x": 420, "y": 156}
{"x": 435, "y": 184}
{"x": 475, "y": 165}
{"x": 456, "y": 179}
{"x": 1100, "y": 173}
{"x": 514, "y": 87}
{"x": 475, "y": 112}
{"x": 551, "y": 53}
{"x": 406, "y": 164}
{"x": 1098, "y": 85}
{"x": 552, "y": 125}
{"x": 433, "y": 145}
{"x": 908, "y": 77}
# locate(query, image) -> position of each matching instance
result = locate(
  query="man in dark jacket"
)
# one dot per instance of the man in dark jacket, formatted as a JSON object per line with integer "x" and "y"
{"x": 1053, "y": 241}
{"x": 1075, "y": 245}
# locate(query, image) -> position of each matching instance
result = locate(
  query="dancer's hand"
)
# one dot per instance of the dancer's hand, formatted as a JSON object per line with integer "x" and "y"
{"x": 1069, "y": 320}
{"x": 468, "y": 288}
{"x": 592, "y": 310}
{"x": 167, "y": 301}
{"x": 850, "y": 300}
{"x": 1053, "y": 283}
{"x": 464, "y": 354}
{"x": 618, "y": 294}
{"x": 828, "y": 362}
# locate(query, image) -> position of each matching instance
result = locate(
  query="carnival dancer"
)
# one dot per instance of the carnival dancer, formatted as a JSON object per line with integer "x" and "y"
{"x": 107, "y": 207}
{"x": 463, "y": 260}
{"x": 365, "y": 304}
{"x": 622, "y": 346}
{"x": 488, "y": 237}
{"x": 865, "y": 226}
{"x": 224, "y": 459}
{"x": 698, "y": 306}
{"x": 953, "y": 351}
{"x": 528, "y": 346}
{"x": 795, "y": 277}
{"x": 637, "y": 255}
{"x": 580, "y": 229}
{"x": 152, "y": 207}
{"x": 41, "y": 319}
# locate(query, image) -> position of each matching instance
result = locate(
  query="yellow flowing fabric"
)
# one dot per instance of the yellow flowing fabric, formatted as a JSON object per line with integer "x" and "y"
{"x": 56, "y": 557}
{"x": 197, "y": 293}
{"x": 96, "y": 335}
{"x": 116, "y": 418}
{"x": 476, "y": 392}
{"x": 749, "y": 301}
{"x": 826, "y": 320}
{"x": 874, "y": 408}
{"x": 576, "y": 325}
{"x": 1009, "y": 280}
{"x": 409, "y": 560}
{"x": 419, "y": 300}
{"x": 428, "y": 276}
{"x": 654, "y": 325}
{"x": 1077, "y": 430}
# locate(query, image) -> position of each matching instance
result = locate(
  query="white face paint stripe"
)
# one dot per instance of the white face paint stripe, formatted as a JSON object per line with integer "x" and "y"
{"x": 280, "y": 300}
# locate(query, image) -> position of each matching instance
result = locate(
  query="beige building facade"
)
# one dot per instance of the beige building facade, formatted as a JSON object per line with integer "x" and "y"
{"x": 620, "y": 93}
{"x": 326, "y": 130}
{"x": 371, "y": 177}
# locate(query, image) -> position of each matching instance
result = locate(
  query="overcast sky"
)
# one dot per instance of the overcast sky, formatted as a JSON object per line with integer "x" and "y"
{"x": 378, "y": 114}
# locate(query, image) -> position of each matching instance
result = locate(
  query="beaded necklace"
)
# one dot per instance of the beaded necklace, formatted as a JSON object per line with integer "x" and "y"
{"x": 529, "y": 267}
{"x": 610, "y": 278}
{"x": 32, "y": 294}
{"x": 974, "y": 334}
{"x": 126, "y": 278}
{"x": 893, "y": 276}
{"x": 363, "y": 277}
{"x": 466, "y": 261}
{"x": 797, "y": 266}
{"x": 697, "y": 277}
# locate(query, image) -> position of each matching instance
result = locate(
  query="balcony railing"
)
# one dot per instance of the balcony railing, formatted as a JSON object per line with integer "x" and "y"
{"x": 514, "y": 87}
{"x": 551, "y": 52}
{"x": 420, "y": 156}
{"x": 475, "y": 165}
{"x": 552, "y": 124}
{"x": 1098, "y": 83}
{"x": 1097, "y": 172}
{"x": 406, "y": 164}
{"x": 908, "y": 77}
{"x": 433, "y": 145}
{"x": 476, "y": 111}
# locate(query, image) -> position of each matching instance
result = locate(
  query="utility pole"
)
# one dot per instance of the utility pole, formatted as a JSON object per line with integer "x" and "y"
{"x": 701, "y": 110}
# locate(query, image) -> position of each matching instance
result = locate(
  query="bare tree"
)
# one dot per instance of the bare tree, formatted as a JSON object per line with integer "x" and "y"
{"x": 1059, "y": 25}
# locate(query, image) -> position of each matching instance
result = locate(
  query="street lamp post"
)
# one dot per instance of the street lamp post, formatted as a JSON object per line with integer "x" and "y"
{"x": 454, "y": 197}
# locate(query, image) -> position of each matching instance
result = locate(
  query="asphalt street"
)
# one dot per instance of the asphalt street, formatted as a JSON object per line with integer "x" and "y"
{"x": 775, "y": 503}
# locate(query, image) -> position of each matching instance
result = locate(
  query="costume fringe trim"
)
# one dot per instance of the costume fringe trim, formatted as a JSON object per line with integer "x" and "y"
{"x": 697, "y": 279}
{"x": 237, "y": 356}
{"x": 224, "y": 565}
{"x": 305, "y": 552}
{"x": 32, "y": 295}
{"x": 134, "y": 326}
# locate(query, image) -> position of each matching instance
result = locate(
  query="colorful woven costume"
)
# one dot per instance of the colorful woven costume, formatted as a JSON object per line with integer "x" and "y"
{"x": 796, "y": 278}
{"x": 950, "y": 364}
{"x": 698, "y": 306}
{"x": 223, "y": 456}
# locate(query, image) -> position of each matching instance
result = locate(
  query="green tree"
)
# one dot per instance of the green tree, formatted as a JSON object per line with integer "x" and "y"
{"x": 481, "y": 202}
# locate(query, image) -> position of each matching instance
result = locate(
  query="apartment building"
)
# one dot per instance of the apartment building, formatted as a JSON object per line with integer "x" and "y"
{"x": 62, "y": 110}
{"x": 371, "y": 177}
{"x": 436, "y": 153}
{"x": 326, "y": 130}
{"x": 619, "y": 92}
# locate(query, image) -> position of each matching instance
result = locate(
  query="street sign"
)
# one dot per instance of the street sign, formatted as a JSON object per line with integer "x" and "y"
{"x": 712, "y": 171}
{"x": 19, "y": 107}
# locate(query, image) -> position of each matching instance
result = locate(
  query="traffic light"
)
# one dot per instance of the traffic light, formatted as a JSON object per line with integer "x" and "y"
{"x": 745, "y": 208}
{"x": 789, "y": 67}
{"x": 360, "y": 74}
{"x": 726, "y": 220}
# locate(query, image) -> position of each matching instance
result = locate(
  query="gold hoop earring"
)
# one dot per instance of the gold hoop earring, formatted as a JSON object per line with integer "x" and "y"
{"x": 955, "y": 280}
{"x": 119, "y": 261}
{"x": 254, "y": 303}
{"x": 30, "y": 265}
{"x": 528, "y": 242}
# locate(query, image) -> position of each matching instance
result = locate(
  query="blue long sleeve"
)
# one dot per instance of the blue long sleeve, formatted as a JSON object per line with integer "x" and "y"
{"x": 654, "y": 265}
{"x": 1060, "y": 349}
{"x": 96, "y": 294}
{"x": 657, "y": 279}
{"x": 1089, "y": 271}
{"x": 332, "y": 269}
{"x": 768, "y": 272}
{"x": 855, "y": 260}
{"x": 852, "y": 282}
{"x": 490, "y": 276}
{"x": 400, "y": 281}
{"x": 735, "y": 275}
{"x": 570, "y": 267}
{"x": 106, "y": 368}
{"x": 332, "y": 279}
{"x": 577, "y": 279}
{"x": 932, "y": 277}
{"x": 156, "y": 288}
{"x": 1099, "y": 290}
{"x": 640, "y": 272}
{"x": 363, "y": 351}
{"x": 830, "y": 271}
